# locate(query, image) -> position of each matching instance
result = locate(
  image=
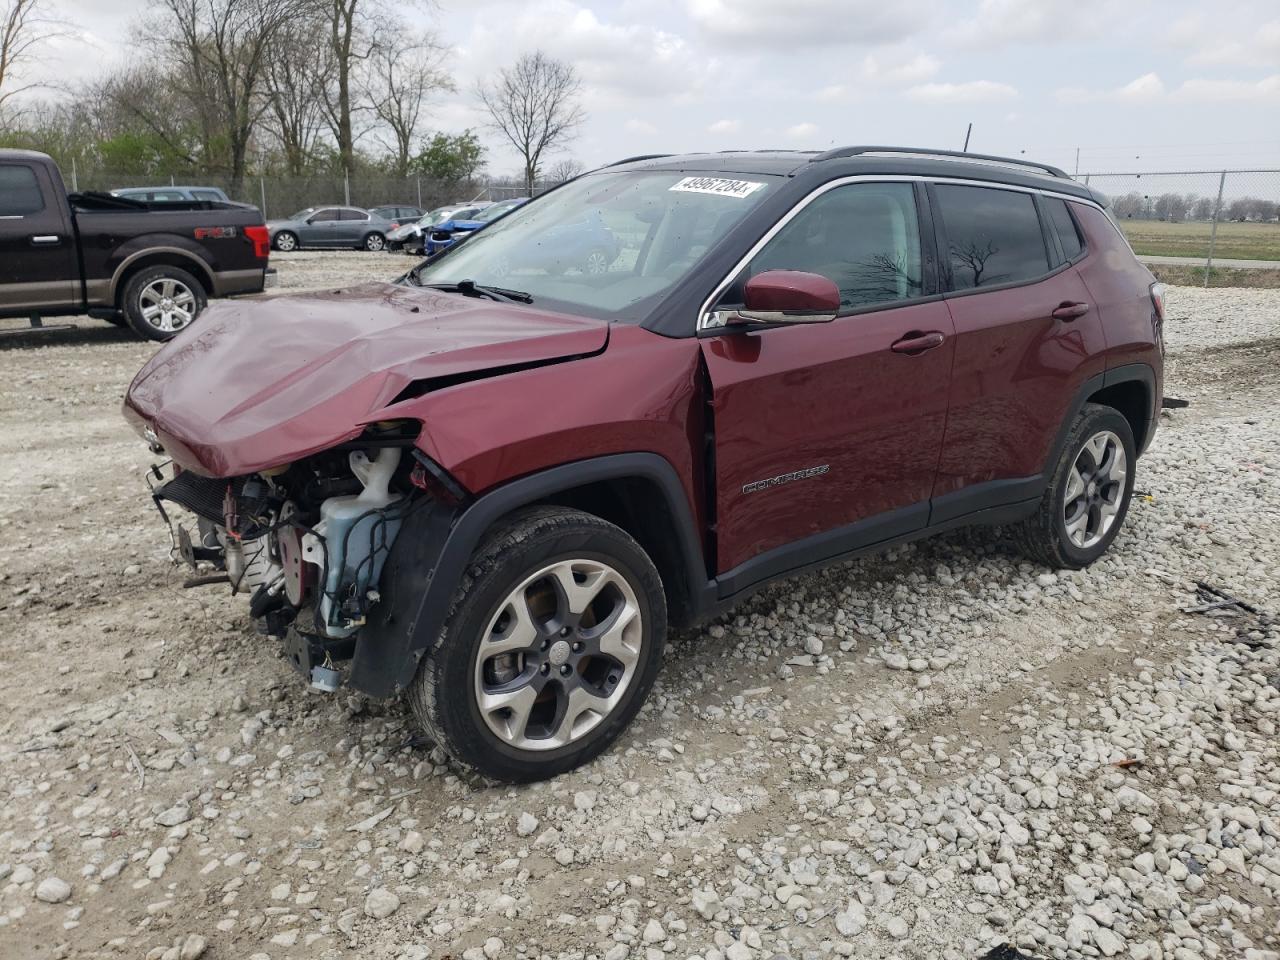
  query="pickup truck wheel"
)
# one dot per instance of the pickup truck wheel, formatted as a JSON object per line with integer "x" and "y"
{"x": 285, "y": 242}
{"x": 162, "y": 301}
{"x": 552, "y": 643}
{"x": 1088, "y": 496}
{"x": 374, "y": 242}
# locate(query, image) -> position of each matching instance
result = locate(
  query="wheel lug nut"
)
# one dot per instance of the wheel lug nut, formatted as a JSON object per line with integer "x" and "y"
{"x": 565, "y": 670}
{"x": 564, "y": 631}
{"x": 577, "y": 647}
{"x": 546, "y": 668}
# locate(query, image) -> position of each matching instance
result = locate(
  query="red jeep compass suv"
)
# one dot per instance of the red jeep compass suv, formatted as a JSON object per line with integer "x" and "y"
{"x": 493, "y": 483}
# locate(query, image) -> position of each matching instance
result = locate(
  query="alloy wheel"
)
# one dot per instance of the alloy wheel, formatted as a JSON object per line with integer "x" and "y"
{"x": 558, "y": 655}
{"x": 167, "y": 304}
{"x": 373, "y": 242}
{"x": 1095, "y": 489}
{"x": 596, "y": 263}
{"x": 285, "y": 242}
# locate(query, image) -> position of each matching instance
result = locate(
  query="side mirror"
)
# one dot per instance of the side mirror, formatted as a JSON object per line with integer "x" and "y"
{"x": 788, "y": 296}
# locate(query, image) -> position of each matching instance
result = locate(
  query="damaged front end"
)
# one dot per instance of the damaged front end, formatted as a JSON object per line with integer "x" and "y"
{"x": 306, "y": 541}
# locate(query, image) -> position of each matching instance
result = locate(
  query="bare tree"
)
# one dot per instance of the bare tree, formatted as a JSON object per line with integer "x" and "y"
{"x": 565, "y": 169}
{"x": 218, "y": 50}
{"x": 534, "y": 104}
{"x": 295, "y": 81}
{"x": 24, "y": 25}
{"x": 403, "y": 77}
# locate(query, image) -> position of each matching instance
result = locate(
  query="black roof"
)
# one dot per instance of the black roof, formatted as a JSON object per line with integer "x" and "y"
{"x": 853, "y": 161}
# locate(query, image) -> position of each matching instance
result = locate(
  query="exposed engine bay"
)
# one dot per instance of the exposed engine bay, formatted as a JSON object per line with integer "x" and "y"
{"x": 306, "y": 541}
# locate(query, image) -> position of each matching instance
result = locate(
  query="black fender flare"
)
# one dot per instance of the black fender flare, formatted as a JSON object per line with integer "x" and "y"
{"x": 1130, "y": 372}
{"x": 431, "y": 552}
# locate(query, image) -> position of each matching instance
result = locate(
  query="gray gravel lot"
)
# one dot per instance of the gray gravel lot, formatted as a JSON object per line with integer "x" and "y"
{"x": 922, "y": 754}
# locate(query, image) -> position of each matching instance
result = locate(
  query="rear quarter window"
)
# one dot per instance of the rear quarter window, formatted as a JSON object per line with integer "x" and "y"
{"x": 19, "y": 191}
{"x": 993, "y": 236}
{"x": 1064, "y": 226}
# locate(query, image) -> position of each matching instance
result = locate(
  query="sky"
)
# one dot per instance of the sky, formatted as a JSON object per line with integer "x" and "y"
{"x": 1133, "y": 84}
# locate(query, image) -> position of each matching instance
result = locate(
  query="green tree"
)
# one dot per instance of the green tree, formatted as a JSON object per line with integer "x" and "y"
{"x": 450, "y": 158}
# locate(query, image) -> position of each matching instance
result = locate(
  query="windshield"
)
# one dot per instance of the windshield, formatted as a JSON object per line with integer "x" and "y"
{"x": 492, "y": 213}
{"x": 607, "y": 244}
{"x": 302, "y": 214}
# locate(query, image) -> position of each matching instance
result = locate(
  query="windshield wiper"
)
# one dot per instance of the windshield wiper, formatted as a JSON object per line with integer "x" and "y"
{"x": 470, "y": 288}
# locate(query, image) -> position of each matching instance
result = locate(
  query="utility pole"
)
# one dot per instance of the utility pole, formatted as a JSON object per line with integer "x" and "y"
{"x": 966, "y": 137}
{"x": 1077, "y": 173}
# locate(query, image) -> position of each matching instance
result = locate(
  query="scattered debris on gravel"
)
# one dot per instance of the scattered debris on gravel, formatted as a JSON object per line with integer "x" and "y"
{"x": 932, "y": 753}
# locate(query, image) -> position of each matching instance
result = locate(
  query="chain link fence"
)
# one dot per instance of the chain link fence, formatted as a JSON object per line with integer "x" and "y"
{"x": 278, "y": 197}
{"x": 1216, "y": 221}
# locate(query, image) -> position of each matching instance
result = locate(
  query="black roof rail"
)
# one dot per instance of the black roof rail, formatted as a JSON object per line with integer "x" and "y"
{"x": 925, "y": 152}
{"x": 637, "y": 159}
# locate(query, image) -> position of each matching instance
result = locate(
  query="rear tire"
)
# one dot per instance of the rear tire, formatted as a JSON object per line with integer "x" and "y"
{"x": 521, "y": 686}
{"x": 374, "y": 242}
{"x": 162, "y": 301}
{"x": 1088, "y": 495}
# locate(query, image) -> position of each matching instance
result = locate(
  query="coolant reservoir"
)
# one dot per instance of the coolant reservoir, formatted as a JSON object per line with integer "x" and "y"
{"x": 358, "y": 532}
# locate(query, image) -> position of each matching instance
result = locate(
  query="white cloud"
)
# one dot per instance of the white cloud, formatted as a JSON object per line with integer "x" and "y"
{"x": 724, "y": 126}
{"x": 801, "y": 131}
{"x": 1144, "y": 89}
{"x": 999, "y": 23}
{"x": 810, "y": 22}
{"x": 636, "y": 125}
{"x": 1231, "y": 91}
{"x": 1225, "y": 40}
{"x": 632, "y": 60}
{"x": 974, "y": 91}
{"x": 899, "y": 70}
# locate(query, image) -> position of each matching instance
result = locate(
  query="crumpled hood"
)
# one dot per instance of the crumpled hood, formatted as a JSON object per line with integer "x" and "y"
{"x": 259, "y": 383}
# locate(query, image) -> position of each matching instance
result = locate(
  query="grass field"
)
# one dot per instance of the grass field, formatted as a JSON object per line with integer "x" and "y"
{"x": 1244, "y": 241}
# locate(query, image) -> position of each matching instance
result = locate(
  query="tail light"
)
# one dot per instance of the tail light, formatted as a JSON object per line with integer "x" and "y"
{"x": 1157, "y": 318}
{"x": 1157, "y": 299}
{"x": 261, "y": 241}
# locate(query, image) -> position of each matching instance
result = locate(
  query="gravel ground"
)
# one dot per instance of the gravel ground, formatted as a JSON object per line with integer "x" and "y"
{"x": 923, "y": 754}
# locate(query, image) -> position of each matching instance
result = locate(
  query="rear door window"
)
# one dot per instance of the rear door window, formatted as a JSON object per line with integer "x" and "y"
{"x": 205, "y": 195}
{"x": 1064, "y": 226}
{"x": 993, "y": 236}
{"x": 354, "y": 215}
{"x": 19, "y": 191}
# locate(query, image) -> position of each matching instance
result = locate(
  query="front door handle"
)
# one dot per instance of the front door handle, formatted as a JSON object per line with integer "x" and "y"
{"x": 1068, "y": 311}
{"x": 46, "y": 240}
{"x": 916, "y": 343}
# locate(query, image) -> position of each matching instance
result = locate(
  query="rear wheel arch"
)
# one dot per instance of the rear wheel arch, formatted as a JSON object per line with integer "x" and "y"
{"x": 1132, "y": 400}
{"x": 160, "y": 258}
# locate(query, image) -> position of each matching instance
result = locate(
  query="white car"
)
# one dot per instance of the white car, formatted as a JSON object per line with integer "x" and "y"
{"x": 409, "y": 236}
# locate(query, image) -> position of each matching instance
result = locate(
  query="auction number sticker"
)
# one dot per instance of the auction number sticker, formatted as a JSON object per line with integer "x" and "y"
{"x": 718, "y": 186}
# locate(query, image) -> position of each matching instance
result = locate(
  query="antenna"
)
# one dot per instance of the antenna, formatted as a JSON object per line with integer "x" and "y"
{"x": 966, "y": 137}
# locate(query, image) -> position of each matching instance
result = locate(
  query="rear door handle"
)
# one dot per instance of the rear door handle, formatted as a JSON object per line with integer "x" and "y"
{"x": 1068, "y": 311}
{"x": 46, "y": 240}
{"x": 916, "y": 343}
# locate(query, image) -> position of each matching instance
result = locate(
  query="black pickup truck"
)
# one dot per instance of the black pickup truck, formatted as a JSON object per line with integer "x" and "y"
{"x": 151, "y": 265}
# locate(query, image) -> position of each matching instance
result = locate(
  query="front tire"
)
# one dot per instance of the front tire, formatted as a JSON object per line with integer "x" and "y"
{"x": 285, "y": 241}
{"x": 1088, "y": 496}
{"x": 552, "y": 643}
{"x": 160, "y": 302}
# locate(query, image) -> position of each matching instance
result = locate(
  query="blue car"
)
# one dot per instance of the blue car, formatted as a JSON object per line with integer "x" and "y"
{"x": 446, "y": 234}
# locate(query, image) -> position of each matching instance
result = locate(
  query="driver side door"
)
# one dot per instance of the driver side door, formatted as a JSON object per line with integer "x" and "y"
{"x": 828, "y": 435}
